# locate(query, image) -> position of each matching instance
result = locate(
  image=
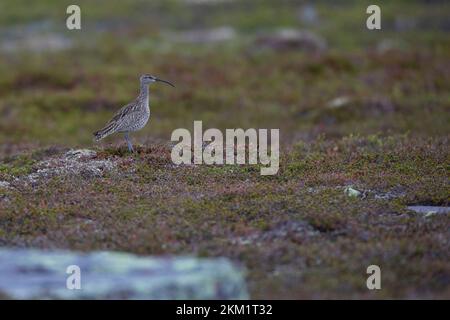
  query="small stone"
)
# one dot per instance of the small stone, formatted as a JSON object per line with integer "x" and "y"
{"x": 36, "y": 43}
{"x": 387, "y": 45}
{"x": 349, "y": 191}
{"x": 339, "y": 102}
{"x": 430, "y": 213}
{"x": 4, "y": 184}
{"x": 80, "y": 153}
{"x": 308, "y": 14}
{"x": 292, "y": 39}
{"x": 201, "y": 36}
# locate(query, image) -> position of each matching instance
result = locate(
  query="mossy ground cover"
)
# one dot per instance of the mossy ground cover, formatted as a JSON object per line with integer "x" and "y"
{"x": 298, "y": 233}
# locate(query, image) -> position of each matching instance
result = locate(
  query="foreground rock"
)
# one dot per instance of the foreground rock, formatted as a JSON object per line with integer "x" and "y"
{"x": 37, "y": 274}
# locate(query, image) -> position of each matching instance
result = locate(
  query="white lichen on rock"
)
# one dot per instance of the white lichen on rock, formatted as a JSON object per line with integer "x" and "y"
{"x": 80, "y": 153}
{"x": 39, "y": 274}
{"x": 351, "y": 192}
{"x": 4, "y": 185}
{"x": 74, "y": 162}
{"x": 429, "y": 211}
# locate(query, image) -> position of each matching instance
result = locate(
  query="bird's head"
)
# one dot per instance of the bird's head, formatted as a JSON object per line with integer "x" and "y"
{"x": 147, "y": 79}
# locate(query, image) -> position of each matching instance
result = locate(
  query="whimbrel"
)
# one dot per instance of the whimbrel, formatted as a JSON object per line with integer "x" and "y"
{"x": 133, "y": 116}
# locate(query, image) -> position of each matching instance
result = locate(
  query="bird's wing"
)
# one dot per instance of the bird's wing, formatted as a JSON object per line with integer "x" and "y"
{"x": 123, "y": 112}
{"x": 117, "y": 121}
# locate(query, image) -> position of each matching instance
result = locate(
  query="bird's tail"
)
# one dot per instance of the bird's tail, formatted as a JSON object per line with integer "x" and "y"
{"x": 106, "y": 131}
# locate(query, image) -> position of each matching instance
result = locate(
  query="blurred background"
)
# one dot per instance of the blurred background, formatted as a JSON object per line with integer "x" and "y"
{"x": 308, "y": 67}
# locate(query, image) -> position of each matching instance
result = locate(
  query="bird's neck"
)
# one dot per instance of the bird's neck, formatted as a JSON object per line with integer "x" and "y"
{"x": 144, "y": 94}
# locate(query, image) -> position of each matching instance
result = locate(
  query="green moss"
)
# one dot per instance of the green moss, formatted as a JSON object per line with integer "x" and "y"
{"x": 17, "y": 166}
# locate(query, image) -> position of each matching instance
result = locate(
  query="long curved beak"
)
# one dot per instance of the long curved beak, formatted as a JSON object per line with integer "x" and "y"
{"x": 161, "y": 80}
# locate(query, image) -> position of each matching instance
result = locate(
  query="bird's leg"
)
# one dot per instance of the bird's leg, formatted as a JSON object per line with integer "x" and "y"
{"x": 130, "y": 146}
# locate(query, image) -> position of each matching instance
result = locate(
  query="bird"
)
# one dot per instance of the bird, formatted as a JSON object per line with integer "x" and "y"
{"x": 133, "y": 116}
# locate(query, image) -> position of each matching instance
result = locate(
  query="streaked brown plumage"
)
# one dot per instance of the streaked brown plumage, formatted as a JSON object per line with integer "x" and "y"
{"x": 133, "y": 116}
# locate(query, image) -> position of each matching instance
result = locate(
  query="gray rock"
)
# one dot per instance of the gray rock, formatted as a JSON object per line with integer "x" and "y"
{"x": 38, "y": 274}
{"x": 386, "y": 45}
{"x": 402, "y": 24}
{"x": 292, "y": 39}
{"x": 339, "y": 102}
{"x": 389, "y": 195}
{"x": 430, "y": 210}
{"x": 74, "y": 162}
{"x": 80, "y": 153}
{"x": 281, "y": 232}
{"x": 308, "y": 14}
{"x": 34, "y": 37}
{"x": 201, "y": 36}
{"x": 351, "y": 192}
{"x": 4, "y": 184}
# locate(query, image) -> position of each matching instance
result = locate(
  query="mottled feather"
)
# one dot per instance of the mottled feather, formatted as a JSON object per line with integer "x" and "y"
{"x": 133, "y": 116}
{"x": 130, "y": 117}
